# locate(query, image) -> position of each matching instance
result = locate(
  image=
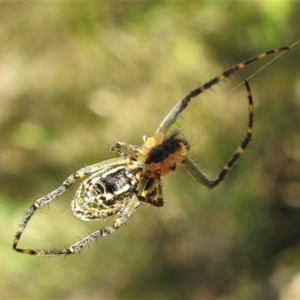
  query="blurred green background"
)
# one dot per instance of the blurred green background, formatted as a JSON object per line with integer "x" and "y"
{"x": 75, "y": 76}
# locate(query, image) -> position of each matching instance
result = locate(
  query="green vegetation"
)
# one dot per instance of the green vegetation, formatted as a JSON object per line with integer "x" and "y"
{"x": 76, "y": 76}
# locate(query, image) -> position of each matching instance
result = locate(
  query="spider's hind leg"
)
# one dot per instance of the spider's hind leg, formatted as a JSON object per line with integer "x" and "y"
{"x": 133, "y": 204}
{"x": 38, "y": 204}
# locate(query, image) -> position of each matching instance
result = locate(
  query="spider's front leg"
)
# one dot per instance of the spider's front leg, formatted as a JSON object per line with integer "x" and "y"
{"x": 196, "y": 173}
{"x": 181, "y": 105}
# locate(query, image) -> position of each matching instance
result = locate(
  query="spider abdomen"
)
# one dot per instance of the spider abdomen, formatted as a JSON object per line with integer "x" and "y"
{"x": 104, "y": 194}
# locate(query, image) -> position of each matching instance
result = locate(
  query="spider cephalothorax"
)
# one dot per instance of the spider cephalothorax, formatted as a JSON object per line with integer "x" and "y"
{"x": 163, "y": 152}
{"x": 119, "y": 186}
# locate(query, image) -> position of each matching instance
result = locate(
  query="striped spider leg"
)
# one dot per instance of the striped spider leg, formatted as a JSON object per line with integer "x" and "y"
{"x": 111, "y": 189}
{"x": 119, "y": 186}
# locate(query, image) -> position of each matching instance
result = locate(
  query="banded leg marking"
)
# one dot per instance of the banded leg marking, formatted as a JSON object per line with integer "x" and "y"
{"x": 193, "y": 169}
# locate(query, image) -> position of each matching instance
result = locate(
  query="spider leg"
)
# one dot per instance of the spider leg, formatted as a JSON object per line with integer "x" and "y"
{"x": 159, "y": 197}
{"x": 38, "y": 204}
{"x": 153, "y": 196}
{"x": 77, "y": 247}
{"x": 123, "y": 149}
{"x": 196, "y": 173}
{"x": 153, "y": 193}
{"x": 172, "y": 116}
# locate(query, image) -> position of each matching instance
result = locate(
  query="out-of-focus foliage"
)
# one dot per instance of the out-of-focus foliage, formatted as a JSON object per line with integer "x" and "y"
{"x": 75, "y": 76}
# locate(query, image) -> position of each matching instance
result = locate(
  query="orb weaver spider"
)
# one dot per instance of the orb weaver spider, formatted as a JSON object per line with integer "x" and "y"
{"x": 120, "y": 185}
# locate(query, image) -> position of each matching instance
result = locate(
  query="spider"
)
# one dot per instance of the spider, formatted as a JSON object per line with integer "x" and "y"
{"x": 120, "y": 185}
